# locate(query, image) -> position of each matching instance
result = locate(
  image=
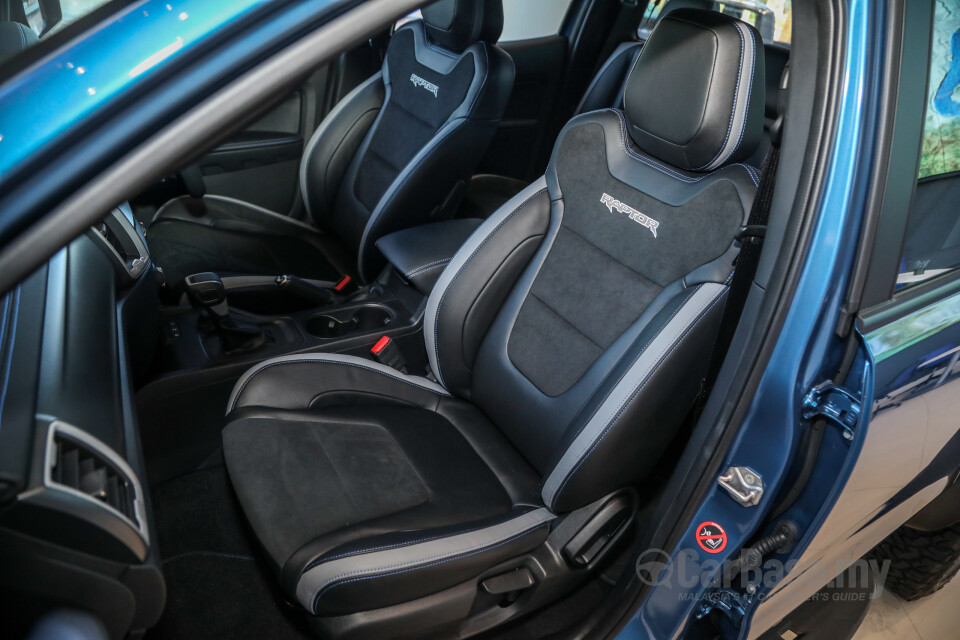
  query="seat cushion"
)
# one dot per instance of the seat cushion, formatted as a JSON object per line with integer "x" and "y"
{"x": 229, "y": 237}
{"x": 347, "y": 483}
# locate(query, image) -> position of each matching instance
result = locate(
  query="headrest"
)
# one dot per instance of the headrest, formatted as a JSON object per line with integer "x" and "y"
{"x": 695, "y": 96}
{"x": 14, "y": 38}
{"x": 457, "y": 24}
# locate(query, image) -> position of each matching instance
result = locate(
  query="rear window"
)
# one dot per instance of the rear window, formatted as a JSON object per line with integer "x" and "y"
{"x": 941, "y": 126}
{"x": 771, "y": 18}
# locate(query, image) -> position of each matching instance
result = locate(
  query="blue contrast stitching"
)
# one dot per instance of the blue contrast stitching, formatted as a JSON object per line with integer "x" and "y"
{"x": 324, "y": 559}
{"x": 337, "y": 582}
{"x": 673, "y": 174}
{"x": 358, "y": 552}
{"x": 331, "y": 362}
{"x": 427, "y": 267}
{"x": 436, "y": 322}
{"x": 733, "y": 111}
{"x": 620, "y": 409}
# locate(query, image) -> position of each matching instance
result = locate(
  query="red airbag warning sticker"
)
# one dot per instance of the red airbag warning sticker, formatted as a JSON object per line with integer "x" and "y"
{"x": 711, "y": 537}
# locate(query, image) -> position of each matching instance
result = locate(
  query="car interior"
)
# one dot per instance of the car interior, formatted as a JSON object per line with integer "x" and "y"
{"x": 411, "y": 354}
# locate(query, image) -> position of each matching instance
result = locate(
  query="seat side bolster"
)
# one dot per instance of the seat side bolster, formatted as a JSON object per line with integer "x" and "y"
{"x": 414, "y": 569}
{"x": 291, "y": 382}
{"x": 481, "y": 274}
{"x": 335, "y": 143}
{"x": 659, "y": 387}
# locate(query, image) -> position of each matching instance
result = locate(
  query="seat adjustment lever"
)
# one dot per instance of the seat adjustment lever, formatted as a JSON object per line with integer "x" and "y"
{"x": 516, "y": 580}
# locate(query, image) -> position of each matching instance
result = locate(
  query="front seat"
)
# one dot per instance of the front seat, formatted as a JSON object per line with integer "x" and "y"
{"x": 567, "y": 339}
{"x": 488, "y": 192}
{"x": 394, "y": 153}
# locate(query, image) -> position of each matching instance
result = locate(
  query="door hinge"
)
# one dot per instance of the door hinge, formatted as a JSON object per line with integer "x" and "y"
{"x": 834, "y": 403}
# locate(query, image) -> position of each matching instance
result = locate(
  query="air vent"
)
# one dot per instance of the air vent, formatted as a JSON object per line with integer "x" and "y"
{"x": 83, "y": 470}
{"x": 84, "y": 466}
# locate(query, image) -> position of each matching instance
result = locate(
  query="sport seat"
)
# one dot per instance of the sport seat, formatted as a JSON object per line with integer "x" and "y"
{"x": 487, "y": 192}
{"x": 567, "y": 339}
{"x": 395, "y": 153}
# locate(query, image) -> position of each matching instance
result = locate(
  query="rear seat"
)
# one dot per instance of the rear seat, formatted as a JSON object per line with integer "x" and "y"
{"x": 486, "y": 193}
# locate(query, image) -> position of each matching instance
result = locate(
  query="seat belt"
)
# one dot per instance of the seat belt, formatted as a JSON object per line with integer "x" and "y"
{"x": 751, "y": 237}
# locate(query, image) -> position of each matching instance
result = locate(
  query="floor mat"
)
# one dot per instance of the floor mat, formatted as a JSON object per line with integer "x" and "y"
{"x": 199, "y": 512}
{"x": 216, "y": 586}
{"x": 223, "y": 596}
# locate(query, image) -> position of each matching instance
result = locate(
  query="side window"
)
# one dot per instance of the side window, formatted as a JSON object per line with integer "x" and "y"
{"x": 528, "y": 19}
{"x": 771, "y": 18}
{"x": 932, "y": 242}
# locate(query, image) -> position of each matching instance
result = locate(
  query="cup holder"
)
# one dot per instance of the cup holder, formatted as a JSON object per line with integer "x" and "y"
{"x": 359, "y": 321}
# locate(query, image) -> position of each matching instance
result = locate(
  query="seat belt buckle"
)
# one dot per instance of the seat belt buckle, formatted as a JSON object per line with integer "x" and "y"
{"x": 341, "y": 286}
{"x": 387, "y": 352}
{"x": 751, "y": 234}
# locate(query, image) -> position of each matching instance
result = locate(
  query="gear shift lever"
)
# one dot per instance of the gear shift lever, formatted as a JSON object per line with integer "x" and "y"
{"x": 206, "y": 292}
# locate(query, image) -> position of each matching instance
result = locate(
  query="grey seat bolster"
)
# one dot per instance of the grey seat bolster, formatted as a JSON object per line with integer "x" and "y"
{"x": 741, "y": 103}
{"x": 646, "y": 364}
{"x": 391, "y": 561}
{"x": 333, "y": 359}
{"x": 459, "y": 261}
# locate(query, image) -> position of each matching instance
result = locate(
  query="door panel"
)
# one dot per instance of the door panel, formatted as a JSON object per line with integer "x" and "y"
{"x": 516, "y": 148}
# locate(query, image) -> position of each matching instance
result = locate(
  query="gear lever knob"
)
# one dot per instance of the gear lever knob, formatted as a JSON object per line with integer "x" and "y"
{"x": 206, "y": 290}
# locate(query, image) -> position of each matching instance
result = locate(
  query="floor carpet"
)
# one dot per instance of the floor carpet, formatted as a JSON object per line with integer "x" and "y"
{"x": 216, "y": 585}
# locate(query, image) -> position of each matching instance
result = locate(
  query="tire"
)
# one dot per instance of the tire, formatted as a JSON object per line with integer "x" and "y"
{"x": 921, "y": 562}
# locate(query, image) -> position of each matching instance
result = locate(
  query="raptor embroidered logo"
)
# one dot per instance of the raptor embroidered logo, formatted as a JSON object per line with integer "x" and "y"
{"x": 420, "y": 82}
{"x": 612, "y": 203}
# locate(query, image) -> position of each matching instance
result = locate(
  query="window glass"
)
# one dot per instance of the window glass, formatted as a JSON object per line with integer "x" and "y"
{"x": 527, "y": 19}
{"x": 523, "y": 19}
{"x": 932, "y": 242}
{"x": 771, "y": 18}
{"x": 31, "y": 8}
{"x": 73, "y": 10}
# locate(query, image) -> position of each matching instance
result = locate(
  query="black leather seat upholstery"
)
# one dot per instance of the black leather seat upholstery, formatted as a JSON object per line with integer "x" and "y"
{"x": 487, "y": 192}
{"x": 567, "y": 338}
{"x": 393, "y": 154}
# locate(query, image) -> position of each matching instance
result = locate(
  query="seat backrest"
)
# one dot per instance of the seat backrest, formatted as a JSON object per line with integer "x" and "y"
{"x": 394, "y": 152}
{"x": 579, "y": 317}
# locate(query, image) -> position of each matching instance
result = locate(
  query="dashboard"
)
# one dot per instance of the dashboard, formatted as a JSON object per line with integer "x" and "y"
{"x": 76, "y": 526}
